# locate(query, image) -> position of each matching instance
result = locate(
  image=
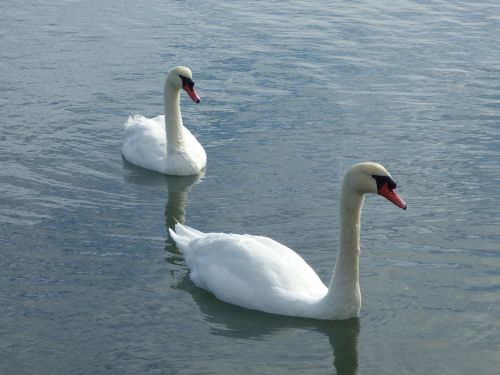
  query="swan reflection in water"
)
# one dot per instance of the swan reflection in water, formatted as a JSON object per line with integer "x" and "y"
{"x": 175, "y": 209}
{"x": 178, "y": 188}
{"x": 233, "y": 321}
{"x": 178, "y": 191}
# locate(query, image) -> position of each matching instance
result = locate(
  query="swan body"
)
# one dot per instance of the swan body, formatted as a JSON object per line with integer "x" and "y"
{"x": 259, "y": 273}
{"x": 162, "y": 143}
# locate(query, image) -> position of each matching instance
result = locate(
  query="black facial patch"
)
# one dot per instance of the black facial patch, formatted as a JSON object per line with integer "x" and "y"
{"x": 186, "y": 81}
{"x": 382, "y": 180}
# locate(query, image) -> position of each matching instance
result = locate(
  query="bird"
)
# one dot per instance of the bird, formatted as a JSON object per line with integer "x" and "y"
{"x": 259, "y": 273}
{"x": 162, "y": 143}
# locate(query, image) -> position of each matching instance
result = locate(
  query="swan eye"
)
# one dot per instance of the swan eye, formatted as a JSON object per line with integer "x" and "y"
{"x": 186, "y": 81}
{"x": 382, "y": 180}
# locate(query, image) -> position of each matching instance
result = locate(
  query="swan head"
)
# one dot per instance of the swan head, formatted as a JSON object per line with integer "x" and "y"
{"x": 373, "y": 178}
{"x": 182, "y": 77}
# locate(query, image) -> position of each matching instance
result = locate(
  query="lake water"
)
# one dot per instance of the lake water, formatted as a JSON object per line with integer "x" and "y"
{"x": 293, "y": 93}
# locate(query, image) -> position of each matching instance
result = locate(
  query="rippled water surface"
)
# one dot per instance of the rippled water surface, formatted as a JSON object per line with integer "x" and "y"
{"x": 293, "y": 93}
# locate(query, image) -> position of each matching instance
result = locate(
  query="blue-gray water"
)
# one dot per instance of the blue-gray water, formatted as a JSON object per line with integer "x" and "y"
{"x": 293, "y": 93}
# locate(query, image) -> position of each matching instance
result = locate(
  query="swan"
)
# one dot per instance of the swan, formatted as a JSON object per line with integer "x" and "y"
{"x": 162, "y": 143}
{"x": 259, "y": 273}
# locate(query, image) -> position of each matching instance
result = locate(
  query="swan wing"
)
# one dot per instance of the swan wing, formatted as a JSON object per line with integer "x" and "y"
{"x": 144, "y": 142}
{"x": 250, "y": 271}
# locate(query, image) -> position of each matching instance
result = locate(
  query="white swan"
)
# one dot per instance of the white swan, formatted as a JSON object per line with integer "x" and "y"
{"x": 259, "y": 273}
{"x": 163, "y": 144}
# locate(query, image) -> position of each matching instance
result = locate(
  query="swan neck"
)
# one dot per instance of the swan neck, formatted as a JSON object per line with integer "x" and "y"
{"x": 344, "y": 291}
{"x": 350, "y": 219}
{"x": 173, "y": 118}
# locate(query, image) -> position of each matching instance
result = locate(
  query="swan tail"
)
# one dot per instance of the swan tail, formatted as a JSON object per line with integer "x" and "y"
{"x": 133, "y": 119}
{"x": 183, "y": 235}
{"x": 181, "y": 228}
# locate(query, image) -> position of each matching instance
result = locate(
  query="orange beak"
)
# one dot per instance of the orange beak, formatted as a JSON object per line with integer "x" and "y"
{"x": 391, "y": 195}
{"x": 192, "y": 94}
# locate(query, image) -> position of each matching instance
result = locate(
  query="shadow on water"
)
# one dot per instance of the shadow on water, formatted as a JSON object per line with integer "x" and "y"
{"x": 140, "y": 176}
{"x": 233, "y": 321}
